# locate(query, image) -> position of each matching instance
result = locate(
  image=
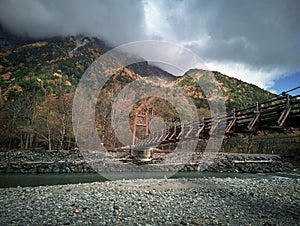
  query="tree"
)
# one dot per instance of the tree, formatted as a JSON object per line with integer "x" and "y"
{"x": 53, "y": 121}
{"x": 19, "y": 121}
{"x": 63, "y": 114}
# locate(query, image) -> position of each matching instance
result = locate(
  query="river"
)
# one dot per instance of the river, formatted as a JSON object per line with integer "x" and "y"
{"x": 32, "y": 180}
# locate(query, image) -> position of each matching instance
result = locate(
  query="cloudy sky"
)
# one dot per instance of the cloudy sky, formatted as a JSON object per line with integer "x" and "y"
{"x": 255, "y": 41}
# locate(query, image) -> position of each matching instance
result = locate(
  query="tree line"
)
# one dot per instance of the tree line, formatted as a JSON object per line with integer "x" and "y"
{"x": 31, "y": 121}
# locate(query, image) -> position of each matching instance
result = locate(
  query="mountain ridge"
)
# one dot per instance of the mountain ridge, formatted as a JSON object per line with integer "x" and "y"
{"x": 40, "y": 78}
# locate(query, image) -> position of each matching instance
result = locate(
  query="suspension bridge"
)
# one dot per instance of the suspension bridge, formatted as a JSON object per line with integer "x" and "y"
{"x": 281, "y": 114}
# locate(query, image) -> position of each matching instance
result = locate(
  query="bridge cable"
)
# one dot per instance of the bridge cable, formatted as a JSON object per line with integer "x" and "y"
{"x": 291, "y": 89}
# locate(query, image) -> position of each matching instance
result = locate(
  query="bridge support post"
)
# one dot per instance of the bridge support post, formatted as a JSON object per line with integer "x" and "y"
{"x": 144, "y": 124}
{"x": 285, "y": 112}
{"x": 232, "y": 122}
{"x": 256, "y": 117}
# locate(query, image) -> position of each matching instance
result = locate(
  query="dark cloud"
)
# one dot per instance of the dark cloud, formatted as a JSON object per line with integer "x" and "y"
{"x": 248, "y": 39}
{"x": 113, "y": 21}
{"x": 257, "y": 33}
{"x": 258, "y": 41}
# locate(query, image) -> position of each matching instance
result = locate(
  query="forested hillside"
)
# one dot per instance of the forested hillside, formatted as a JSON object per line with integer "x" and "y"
{"x": 38, "y": 82}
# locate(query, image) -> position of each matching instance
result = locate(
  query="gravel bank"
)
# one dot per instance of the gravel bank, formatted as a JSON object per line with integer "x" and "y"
{"x": 73, "y": 162}
{"x": 205, "y": 201}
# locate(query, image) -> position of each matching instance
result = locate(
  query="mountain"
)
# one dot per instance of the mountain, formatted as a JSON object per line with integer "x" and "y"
{"x": 236, "y": 93}
{"x": 39, "y": 78}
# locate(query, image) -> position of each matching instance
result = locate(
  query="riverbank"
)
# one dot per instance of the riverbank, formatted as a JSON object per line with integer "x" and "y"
{"x": 73, "y": 162}
{"x": 203, "y": 201}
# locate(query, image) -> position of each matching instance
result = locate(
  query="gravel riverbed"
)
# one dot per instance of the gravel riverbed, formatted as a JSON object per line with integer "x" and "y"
{"x": 203, "y": 201}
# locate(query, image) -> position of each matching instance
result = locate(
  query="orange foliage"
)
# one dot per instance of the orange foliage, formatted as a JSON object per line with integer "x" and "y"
{"x": 6, "y": 76}
{"x": 37, "y": 44}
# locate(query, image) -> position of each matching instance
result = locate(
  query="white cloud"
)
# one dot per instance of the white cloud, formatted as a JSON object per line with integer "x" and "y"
{"x": 261, "y": 78}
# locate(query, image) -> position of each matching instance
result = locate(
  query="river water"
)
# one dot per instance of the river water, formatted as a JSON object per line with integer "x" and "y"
{"x": 31, "y": 180}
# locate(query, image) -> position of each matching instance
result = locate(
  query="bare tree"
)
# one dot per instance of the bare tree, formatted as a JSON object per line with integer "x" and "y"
{"x": 44, "y": 123}
{"x": 53, "y": 121}
{"x": 64, "y": 118}
{"x": 19, "y": 121}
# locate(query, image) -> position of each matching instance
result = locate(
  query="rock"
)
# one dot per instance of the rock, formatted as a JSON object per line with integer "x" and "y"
{"x": 77, "y": 211}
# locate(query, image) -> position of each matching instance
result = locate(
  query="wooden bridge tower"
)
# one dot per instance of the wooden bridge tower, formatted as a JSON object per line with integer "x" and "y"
{"x": 140, "y": 120}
